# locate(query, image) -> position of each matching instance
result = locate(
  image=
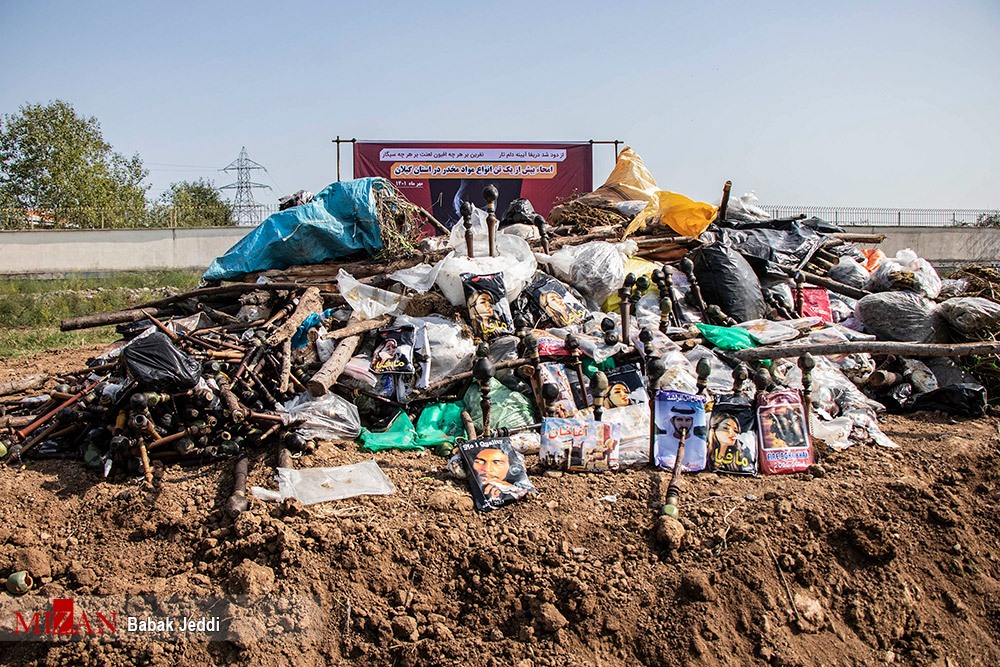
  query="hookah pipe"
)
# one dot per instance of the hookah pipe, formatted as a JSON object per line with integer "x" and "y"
{"x": 466, "y": 211}
{"x": 490, "y": 194}
{"x": 483, "y": 372}
{"x": 674, "y": 488}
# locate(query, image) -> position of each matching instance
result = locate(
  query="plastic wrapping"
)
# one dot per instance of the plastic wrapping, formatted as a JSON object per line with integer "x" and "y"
{"x": 970, "y": 316}
{"x": 677, "y": 413}
{"x": 784, "y": 440}
{"x": 515, "y": 261}
{"x": 856, "y": 366}
{"x": 155, "y": 363}
{"x": 368, "y": 302}
{"x": 906, "y": 271}
{"x": 901, "y": 316}
{"x": 328, "y": 417}
{"x": 489, "y": 309}
{"x": 399, "y": 435}
{"x": 850, "y": 272}
{"x": 420, "y": 277}
{"x": 768, "y": 332}
{"x": 634, "y": 422}
{"x": 596, "y": 269}
{"x": 727, "y": 281}
{"x": 316, "y": 485}
{"x": 508, "y": 408}
{"x": 720, "y": 380}
{"x": 727, "y": 338}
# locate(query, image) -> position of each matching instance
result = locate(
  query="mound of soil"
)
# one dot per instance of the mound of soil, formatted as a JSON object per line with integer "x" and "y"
{"x": 875, "y": 556}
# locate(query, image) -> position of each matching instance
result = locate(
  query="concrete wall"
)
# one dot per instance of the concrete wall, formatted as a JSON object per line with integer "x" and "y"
{"x": 102, "y": 250}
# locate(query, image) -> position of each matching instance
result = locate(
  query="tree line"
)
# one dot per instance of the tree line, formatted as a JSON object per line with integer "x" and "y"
{"x": 57, "y": 170}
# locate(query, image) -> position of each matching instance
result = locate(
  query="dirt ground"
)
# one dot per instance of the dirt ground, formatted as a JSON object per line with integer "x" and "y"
{"x": 875, "y": 557}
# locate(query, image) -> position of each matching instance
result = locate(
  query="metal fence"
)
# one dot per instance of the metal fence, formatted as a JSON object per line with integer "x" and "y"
{"x": 900, "y": 217}
{"x": 156, "y": 217}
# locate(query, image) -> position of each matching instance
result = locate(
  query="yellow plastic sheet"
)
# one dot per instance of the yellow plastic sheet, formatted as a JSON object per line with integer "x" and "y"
{"x": 638, "y": 267}
{"x": 682, "y": 214}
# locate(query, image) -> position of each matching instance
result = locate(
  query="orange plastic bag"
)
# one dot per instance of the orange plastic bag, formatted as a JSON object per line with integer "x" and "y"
{"x": 873, "y": 258}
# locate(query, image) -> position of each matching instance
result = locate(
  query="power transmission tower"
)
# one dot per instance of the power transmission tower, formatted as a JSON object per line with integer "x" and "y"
{"x": 246, "y": 212}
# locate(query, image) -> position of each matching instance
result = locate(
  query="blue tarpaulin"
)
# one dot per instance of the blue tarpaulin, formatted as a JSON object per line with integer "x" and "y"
{"x": 340, "y": 221}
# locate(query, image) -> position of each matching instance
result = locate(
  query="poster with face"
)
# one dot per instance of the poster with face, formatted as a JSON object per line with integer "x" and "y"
{"x": 496, "y": 470}
{"x": 732, "y": 440}
{"x": 634, "y": 423}
{"x": 555, "y": 302}
{"x": 579, "y": 445}
{"x": 680, "y": 415}
{"x": 489, "y": 311}
{"x": 394, "y": 351}
{"x": 783, "y": 438}
{"x": 625, "y": 387}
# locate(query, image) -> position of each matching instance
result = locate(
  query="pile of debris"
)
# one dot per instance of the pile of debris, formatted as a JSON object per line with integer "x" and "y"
{"x": 634, "y": 327}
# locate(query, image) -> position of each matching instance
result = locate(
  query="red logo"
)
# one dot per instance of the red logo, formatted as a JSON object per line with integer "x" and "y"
{"x": 64, "y": 619}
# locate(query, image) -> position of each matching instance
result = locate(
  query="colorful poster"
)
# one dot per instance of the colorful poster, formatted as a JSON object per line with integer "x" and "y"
{"x": 579, "y": 445}
{"x": 440, "y": 175}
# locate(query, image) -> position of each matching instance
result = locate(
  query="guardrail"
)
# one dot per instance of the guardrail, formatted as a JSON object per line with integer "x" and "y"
{"x": 849, "y": 216}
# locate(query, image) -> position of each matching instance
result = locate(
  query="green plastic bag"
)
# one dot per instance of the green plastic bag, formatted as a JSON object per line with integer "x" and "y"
{"x": 440, "y": 423}
{"x": 509, "y": 408}
{"x": 590, "y": 368}
{"x": 727, "y": 338}
{"x": 399, "y": 435}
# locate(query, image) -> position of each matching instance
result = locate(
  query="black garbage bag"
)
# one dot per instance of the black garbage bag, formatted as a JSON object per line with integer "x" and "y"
{"x": 765, "y": 244}
{"x": 728, "y": 281}
{"x": 964, "y": 400}
{"x": 902, "y": 316}
{"x": 519, "y": 211}
{"x": 156, "y": 364}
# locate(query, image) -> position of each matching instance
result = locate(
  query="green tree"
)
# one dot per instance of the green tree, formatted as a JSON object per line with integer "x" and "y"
{"x": 56, "y": 163}
{"x": 194, "y": 204}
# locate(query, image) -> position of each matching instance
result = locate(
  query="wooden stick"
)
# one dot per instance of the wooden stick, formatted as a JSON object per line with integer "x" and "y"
{"x": 458, "y": 377}
{"x": 832, "y": 285}
{"x": 24, "y": 384}
{"x": 877, "y": 347}
{"x": 324, "y": 378}
{"x": 114, "y": 317}
{"x": 356, "y": 327}
{"x": 310, "y": 302}
{"x": 858, "y": 238}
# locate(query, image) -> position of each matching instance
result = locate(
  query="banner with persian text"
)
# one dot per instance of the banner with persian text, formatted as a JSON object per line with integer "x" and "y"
{"x": 440, "y": 175}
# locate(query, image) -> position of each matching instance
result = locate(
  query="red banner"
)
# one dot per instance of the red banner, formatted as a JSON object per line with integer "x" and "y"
{"x": 440, "y": 175}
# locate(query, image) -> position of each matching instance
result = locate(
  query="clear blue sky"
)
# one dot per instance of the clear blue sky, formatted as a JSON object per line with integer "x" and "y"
{"x": 846, "y": 103}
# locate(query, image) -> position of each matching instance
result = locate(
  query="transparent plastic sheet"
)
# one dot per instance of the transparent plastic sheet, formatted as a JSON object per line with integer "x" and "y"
{"x": 420, "y": 277}
{"x": 508, "y": 408}
{"x": 865, "y": 429}
{"x": 595, "y": 269}
{"x": 369, "y": 302}
{"x": 833, "y": 393}
{"x": 850, "y": 272}
{"x": 634, "y": 422}
{"x": 720, "y": 380}
{"x": 857, "y": 366}
{"x": 906, "y": 271}
{"x": 316, "y": 485}
{"x": 440, "y": 423}
{"x": 768, "y": 332}
{"x": 514, "y": 260}
{"x": 451, "y": 351}
{"x": 745, "y": 208}
{"x": 328, "y": 417}
{"x": 952, "y": 287}
{"x": 970, "y": 316}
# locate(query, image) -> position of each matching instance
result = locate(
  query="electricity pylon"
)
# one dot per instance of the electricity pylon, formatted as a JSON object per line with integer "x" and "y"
{"x": 246, "y": 211}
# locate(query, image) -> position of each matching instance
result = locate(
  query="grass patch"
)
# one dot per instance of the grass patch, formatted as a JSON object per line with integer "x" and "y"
{"x": 45, "y": 303}
{"x": 22, "y": 341}
{"x": 31, "y": 309}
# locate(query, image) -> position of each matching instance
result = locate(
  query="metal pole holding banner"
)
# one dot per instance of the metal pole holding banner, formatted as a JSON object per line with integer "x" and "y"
{"x": 615, "y": 142}
{"x": 339, "y": 141}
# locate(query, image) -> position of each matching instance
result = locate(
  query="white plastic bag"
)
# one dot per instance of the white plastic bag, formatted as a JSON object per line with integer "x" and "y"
{"x": 450, "y": 351}
{"x": 419, "y": 278}
{"x": 368, "y": 302}
{"x": 328, "y": 417}
{"x": 316, "y": 485}
{"x": 906, "y": 271}
{"x": 515, "y": 261}
{"x": 595, "y": 269}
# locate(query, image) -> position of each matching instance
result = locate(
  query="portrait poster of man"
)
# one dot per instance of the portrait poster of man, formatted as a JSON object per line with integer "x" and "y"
{"x": 625, "y": 387}
{"x": 497, "y": 474}
{"x": 732, "y": 440}
{"x": 680, "y": 414}
{"x": 553, "y": 301}
{"x": 394, "y": 351}
{"x": 489, "y": 311}
{"x": 579, "y": 445}
{"x": 783, "y": 438}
